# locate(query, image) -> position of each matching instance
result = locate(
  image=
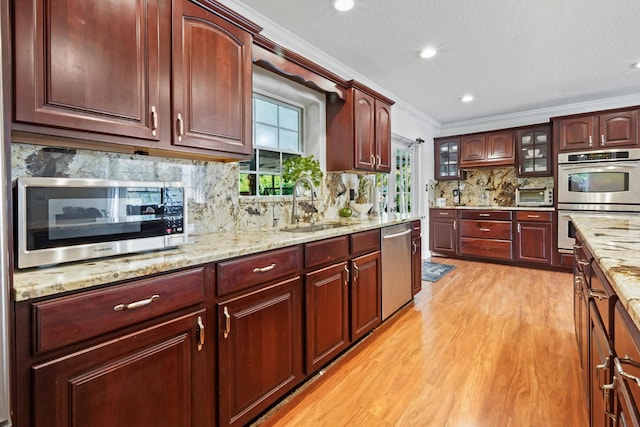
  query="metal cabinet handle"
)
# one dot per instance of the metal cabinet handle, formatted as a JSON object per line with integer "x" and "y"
{"x": 486, "y": 230}
{"x": 373, "y": 160}
{"x": 577, "y": 285}
{"x": 621, "y": 371}
{"x": 519, "y": 170}
{"x": 200, "y": 333}
{"x": 180, "y": 127}
{"x": 583, "y": 262}
{"x": 519, "y": 227}
{"x": 603, "y": 365}
{"x": 577, "y": 246}
{"x": 346, "y": 270}
{"x": 590, "y": 141}
{"x": 443, "y": 213}
{"x": 606, "y": 395}
{"x": 455, "y": 227}
{"x": 602, "y": 140}
{"x": 137, "y": 304}
{"x": 154, "y": 120}
{"x": 227, "y": 325}
{"x": 264, "y": 269}
{"x": 533, "y": 216}
{"x": 379, "y": 160}
{"x": 597, "y": 293}
{"x": 415, "y": 247}
{"x": 484, "y": 214}
{"x": 356, "y": 272}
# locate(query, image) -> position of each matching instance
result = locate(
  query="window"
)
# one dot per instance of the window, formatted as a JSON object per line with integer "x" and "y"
{"x": 396, "y": 188}
{"x": 277, "y": 135}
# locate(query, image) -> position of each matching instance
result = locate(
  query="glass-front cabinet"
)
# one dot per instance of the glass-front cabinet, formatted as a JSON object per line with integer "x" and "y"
{"x": 534, "y": 151}
{"x": 447, "y": 159}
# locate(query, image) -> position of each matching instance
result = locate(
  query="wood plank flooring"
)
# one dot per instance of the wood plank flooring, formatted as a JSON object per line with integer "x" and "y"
{"x": 487, "y": 345}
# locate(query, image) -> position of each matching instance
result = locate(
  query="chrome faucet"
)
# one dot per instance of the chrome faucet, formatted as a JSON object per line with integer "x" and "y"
{"x": 294, "y": 215}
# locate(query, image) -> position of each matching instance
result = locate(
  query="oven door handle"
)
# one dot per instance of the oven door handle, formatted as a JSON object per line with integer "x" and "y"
{"x": 617, "y": 165}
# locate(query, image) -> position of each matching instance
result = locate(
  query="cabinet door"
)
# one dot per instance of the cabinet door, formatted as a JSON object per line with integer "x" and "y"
{"x": 88, "y": 65}
{"x": 619, "y": 129}
{"x": 534, "y": 242}
{"x": 472, "y": 148}
{"x": 151, "y": 378}
{"x": 211, "y": 81}
{"x": 533, "y": 152}
{"x": 327, "y": 314}
{"x": 260, "y": 350}
{"x": 364, "y": 138}
{"x": 577, "y": 133}
{"x": 499, "y": 148}
{"x": 443, "y": 235}
{"x": 416, "y": 265}
{"x": 600, "y": 359}
{"x": 366, "y": 309}
{"x": 383, "y": 136}
{"x": 446, "y": 159}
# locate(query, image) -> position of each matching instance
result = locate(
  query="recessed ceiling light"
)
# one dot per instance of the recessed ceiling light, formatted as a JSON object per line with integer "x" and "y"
{"x": 428, "y": 52}
{"x": 636, "y": 65}
{"x": 343, "y": 5}
{"x": 467, "y": 98}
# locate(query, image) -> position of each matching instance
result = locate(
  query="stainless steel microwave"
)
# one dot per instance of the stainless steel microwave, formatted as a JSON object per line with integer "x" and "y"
{"x": 534, "y": 196}
{"x": 68, "y": 219}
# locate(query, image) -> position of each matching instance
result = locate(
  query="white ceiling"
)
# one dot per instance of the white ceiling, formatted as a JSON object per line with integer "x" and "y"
{"x": 512, "y": 55}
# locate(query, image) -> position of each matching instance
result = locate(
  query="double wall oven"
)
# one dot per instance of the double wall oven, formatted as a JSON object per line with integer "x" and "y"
{"x": 598, "y": 183}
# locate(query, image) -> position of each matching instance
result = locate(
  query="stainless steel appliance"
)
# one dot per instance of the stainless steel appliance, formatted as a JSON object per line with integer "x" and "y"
{"x": 597, "y": 183}
{"x": 534, "y": 196}
{"x": 68, "y": 219}
{"x": 396, "y": 268}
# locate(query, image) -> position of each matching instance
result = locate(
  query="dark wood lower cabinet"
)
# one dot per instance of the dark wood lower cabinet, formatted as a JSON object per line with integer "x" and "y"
{"x": 260, "y": 349}
{"x": 327, "y": 315}
{"x": 366, "y": 290}
{"x": 416, "y": 265}
{"x": 154, "y": 377}
{"x": 600, "y": 361}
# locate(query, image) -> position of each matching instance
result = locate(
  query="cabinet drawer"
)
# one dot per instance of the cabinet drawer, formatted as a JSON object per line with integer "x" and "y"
{"x": 71, "y": 319}
{"x": 494, "y": 215}
{"x": 365, "y": 242}
{"x": 486, "y": 248}
{"x": 326, "y": 251}
{"x": 536, "y": 216}
{"x": 243, "y": 273}
{"x": 500, "y": 230}
{"x": 415, "y": 229}
{"x": 443, "y": 213}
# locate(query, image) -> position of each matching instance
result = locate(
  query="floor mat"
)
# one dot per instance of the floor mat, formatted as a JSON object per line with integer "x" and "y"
{"x": 434, "y": 271}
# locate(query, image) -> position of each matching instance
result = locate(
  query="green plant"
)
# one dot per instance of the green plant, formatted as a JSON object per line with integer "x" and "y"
{"x": 295, "y": 167}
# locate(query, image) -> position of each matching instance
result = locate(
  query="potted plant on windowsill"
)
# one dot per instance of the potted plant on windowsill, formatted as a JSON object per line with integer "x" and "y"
{"x": 295, "y": 167}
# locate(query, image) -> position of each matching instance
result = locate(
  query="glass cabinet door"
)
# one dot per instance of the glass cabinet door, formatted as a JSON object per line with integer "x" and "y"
{"x": 534, "y": 152}
{"x": 447, "y": 159}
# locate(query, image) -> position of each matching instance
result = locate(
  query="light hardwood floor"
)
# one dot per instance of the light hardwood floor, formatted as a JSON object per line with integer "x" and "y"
{"x": 487, "y": 345}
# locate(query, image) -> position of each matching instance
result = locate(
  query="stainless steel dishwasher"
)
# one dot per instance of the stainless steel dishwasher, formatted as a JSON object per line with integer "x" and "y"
{"x": 396, "y": 268}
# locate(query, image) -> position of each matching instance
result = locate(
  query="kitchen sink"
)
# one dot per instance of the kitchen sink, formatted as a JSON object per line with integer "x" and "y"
{"x": 312, "y": 228}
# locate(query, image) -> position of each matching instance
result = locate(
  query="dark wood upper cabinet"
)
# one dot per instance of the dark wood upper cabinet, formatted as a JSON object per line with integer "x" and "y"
{"x": 359, "y": 131}
{"x": 533, "y": 151}
{"x": 88, "y": 65}
{"x": 211, "y": 81}
{"x": 446, "y": 155}
{"x": 613, "y": 128}
{"x": 487, "y": 149}
{"x": 170, "y": 78}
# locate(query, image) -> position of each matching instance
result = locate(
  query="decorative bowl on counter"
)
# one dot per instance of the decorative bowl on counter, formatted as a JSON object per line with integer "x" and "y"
{"x": 361, "y": 209}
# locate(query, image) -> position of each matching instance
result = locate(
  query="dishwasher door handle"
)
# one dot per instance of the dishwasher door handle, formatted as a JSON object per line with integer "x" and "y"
{"x": 390, "y": 236}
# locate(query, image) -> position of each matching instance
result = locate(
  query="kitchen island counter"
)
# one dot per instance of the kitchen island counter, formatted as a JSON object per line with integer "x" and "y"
{"x": 614, "y": 242}
{"x": 201, "y": 249}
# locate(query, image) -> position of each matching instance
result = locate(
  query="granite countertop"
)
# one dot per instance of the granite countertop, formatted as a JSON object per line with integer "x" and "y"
{"x": 500, "y": 208}
{"x": 614, "y": 241}
{"x": 201, "y": 249}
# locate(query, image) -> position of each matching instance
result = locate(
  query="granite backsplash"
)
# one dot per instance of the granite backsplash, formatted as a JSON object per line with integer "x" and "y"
{"x": 214, "y": 203}
{"x": 499, "y": 184}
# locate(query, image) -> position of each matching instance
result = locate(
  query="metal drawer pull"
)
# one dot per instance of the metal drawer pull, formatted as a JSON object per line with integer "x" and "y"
{"x": 444, "y": 213}
{"x": 604, "y": 365}
{"x": 583, "y": 262}
{"x": 264, "y": 269}
{"x": 137, "y": 304}
{"x": 200, "y": 333}
{"x": 485, "y": 229}
{"x": 484, "y": 214}
{"x": 597, "y": 293}
{"x": 621, "y": 371}
{"x": 227, "y": 326}
{"x": 577, "y": 246}
{"x": 533, "y": 216}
